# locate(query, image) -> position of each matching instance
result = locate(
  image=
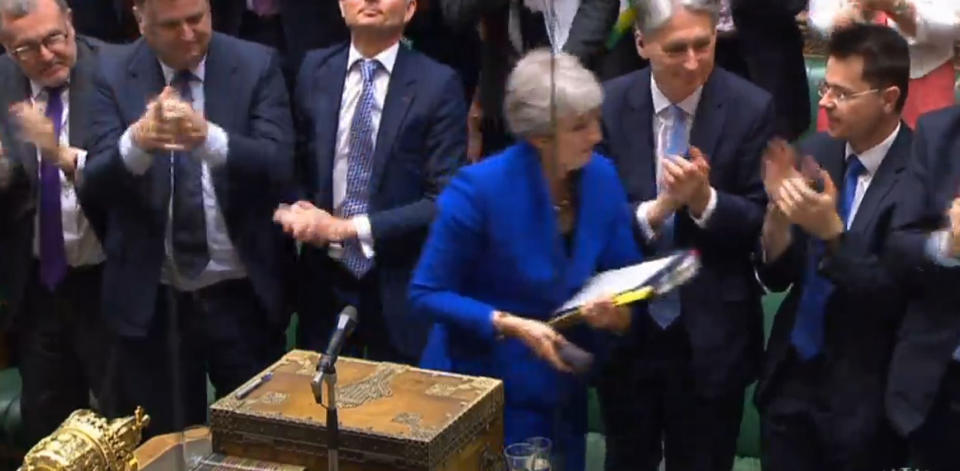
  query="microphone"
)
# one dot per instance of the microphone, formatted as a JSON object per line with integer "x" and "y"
{"x": 346, "y": 323}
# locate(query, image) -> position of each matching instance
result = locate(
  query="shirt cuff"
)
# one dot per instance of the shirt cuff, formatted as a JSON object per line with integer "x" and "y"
{"x": 81, "y": 159}
{"x": 214, "y": 148}
{"x": 704, "y": 218}
{"x": 134, "y": 158}
{"x": 648, "y": 233}
{"x": 364, "y": 234}
{"x": 938, "y": 251}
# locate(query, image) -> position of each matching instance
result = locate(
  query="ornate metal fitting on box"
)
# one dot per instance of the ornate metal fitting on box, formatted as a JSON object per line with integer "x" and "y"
{"x": 88, "y": 442}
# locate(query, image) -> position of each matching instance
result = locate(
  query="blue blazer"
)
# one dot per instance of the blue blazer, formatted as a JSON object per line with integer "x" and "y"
{"x": 421, "y": 143}
{"x": 495, "y": 246}
{"x": 721, "y": 306}
{"x": 244, "y": 94}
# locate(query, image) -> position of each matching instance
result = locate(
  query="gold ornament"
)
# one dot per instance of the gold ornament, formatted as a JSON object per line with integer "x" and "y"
{"x": 88, "y": 442}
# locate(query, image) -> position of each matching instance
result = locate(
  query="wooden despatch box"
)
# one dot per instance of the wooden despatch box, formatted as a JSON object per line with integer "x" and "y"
{"x": 392, "y": 417}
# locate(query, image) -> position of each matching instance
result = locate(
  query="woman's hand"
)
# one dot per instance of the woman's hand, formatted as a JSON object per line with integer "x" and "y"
{"x": 605, "y": 315}
{"x": 537, "y": 336}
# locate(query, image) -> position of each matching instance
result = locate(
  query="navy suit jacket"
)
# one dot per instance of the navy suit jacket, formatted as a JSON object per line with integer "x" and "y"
{"x": 18, "y": 201}
{"x": 420, "y": 144}
{"x": 721, "y": 306}
{"x": 245, "y": 95}
{"x": 930, "y": 331}
{"x": 865, "y": 309}
{"x": 495, "y": 246}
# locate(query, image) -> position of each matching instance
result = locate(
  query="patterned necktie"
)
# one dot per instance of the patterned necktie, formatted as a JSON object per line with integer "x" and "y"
{"x": 666, "y": 309}
{"x": 189, "y": 234}
{"x": 359, "y": 168}
{"x": 807, "y": 333}
{"x": 265, "y": 7}
{"x": 53, "y": 256}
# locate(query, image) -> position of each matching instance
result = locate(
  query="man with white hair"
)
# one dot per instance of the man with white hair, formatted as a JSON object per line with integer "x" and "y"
{"x": 381, "y": 131}
{"x": 52, "y": 258}
{"x": 687, "y": 138}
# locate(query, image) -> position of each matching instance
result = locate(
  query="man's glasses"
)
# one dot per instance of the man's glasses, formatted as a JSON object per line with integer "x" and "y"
{"x": 839, "y": 95}
{"x": 32, "y": 50}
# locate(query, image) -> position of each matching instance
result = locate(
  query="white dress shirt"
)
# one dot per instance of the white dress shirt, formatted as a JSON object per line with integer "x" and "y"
{"x": 352, "y": 89}
{"x": 662, "y": 125}
{"x": 224, "y": 262}
{"x": 80, "y": 243}
{"x": 871, "y": 160}
{"x": 938, "y": 28}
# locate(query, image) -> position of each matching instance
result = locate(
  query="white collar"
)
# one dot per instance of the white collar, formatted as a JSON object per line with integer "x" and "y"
{"x": 387, "y": 58}
{"x": 36, "y": 89}
{"x": 661, "y": 102}
{"x": 199, "y": 71}
{"x": 873, "y": 157}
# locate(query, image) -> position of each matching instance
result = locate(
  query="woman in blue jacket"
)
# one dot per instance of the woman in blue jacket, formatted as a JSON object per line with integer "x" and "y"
{"x": 516, "y": 236}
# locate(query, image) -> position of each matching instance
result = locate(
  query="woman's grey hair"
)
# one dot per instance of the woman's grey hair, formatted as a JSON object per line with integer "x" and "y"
{"x": 654, "y": 14}
{"x": 527, "y": 105}
{"x": 15, "y": 9}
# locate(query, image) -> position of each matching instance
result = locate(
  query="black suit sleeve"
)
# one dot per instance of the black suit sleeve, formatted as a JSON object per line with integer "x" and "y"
{"x": 463, "y": 14}
{"x": 770, "y": 7}
{"x": 777, "y": 275}
{"x": 105, "y": 177}
{"x": 738, "y": 217}
{"x": 445, "y": 148}
{"x": 861, "y": 273}
{"x": 591, "y": 27}
{"x": 919, "y": 213}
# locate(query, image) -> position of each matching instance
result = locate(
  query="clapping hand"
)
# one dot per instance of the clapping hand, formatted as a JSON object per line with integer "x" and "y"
{"x": 953, "y": 218}
{"x": 688, "y": 182}
{"x": 36, "y": 128}
{"x": 309, "y": 224}
{"x": 170, "y": 123}
{"x": 815, "y": 212}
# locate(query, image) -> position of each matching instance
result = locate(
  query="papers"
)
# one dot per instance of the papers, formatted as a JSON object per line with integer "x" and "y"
{"x": 613, "y": 282}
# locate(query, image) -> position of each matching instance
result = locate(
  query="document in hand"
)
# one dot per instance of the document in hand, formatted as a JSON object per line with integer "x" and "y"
{"x": 636, "y": 282}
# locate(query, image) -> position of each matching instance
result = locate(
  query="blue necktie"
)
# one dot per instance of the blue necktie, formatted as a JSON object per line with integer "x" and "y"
{"x": 666, "y": 309}
{"x": 53, "y": 256}
{"x": 359, "y": 168}
{"x": 807, "y": 333}
{"x": 189, "y": 233}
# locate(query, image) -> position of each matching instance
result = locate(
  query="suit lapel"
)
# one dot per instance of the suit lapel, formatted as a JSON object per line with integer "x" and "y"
{"x": 146, "y": 81}
{"x": 637, "y": 126}
{"x": 883, "y": 182}
{"x": 711, "y": 115}
{"x": 834, "y": 162}
{"x": 218, "y": 90}
{"x": 400, "y": 93}
{"x": 80, "y": 83}
{"x": 327, "y": 86}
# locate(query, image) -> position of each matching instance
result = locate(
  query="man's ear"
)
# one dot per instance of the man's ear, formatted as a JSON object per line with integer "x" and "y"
{"x": 640, "y": 43}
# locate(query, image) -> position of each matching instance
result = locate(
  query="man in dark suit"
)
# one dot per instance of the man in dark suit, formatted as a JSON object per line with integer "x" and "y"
{"x": 108, "y": 20}
{"x": 822, "y": 388}
{"x": 761, "y": 42}
{"x": 382, "y": 129}
{"x": 192, "y": 151}
{"x": 591, "y": 26}
{"x": 293, "y": 27}
{"x": 923, "y": 393}
{"x": 680, "y": 380}
{"x": 52, "y": 261}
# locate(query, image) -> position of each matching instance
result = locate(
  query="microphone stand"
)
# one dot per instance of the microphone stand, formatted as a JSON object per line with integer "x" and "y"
{"x": 327, "y": 376}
